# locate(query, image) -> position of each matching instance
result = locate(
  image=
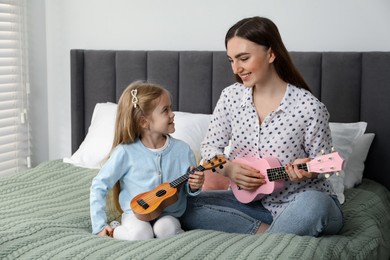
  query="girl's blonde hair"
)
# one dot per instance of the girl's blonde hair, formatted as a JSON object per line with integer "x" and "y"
{"x": 132, "y": 108}
{"x": 137, "y": 101}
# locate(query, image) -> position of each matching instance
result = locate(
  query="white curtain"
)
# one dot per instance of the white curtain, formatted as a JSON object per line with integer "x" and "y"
{"x": 14, "y": 88}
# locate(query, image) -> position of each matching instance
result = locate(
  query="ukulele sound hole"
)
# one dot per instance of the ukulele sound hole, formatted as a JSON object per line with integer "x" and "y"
{"x": 161, "y": 193}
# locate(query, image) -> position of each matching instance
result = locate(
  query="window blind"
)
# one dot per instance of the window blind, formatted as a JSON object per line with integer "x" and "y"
{"x": 14, "y": 88}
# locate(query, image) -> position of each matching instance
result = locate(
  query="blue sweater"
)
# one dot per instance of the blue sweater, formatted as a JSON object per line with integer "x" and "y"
{"x": 139, "y": 170}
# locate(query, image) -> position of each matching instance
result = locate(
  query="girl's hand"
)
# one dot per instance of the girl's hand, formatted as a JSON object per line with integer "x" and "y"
{"x": 106, "y": 232}
{"x": 296, "y": 174}
{"x": 246, "y": 177}
{"x": 196, "y": 180}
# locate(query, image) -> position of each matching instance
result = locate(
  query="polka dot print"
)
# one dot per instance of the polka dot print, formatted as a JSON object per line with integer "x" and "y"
{"x": 297, "y": 129}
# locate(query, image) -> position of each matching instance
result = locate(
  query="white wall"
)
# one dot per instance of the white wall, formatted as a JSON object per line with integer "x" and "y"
{"x": 305, "y": 25}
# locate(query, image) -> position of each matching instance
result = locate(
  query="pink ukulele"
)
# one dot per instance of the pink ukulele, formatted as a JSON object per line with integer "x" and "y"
{"x": 275, "y": 174}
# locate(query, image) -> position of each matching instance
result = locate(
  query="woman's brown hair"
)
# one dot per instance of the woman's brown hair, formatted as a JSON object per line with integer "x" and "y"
{"x": 263, "y": 31}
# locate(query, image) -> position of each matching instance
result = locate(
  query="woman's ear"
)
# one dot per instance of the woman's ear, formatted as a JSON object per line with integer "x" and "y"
{"x": 271, "y": 54}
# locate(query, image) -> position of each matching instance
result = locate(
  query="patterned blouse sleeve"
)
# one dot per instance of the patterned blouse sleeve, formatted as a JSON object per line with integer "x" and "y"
{"x": 219, "y": 131}
{"x": 317, "y": 136}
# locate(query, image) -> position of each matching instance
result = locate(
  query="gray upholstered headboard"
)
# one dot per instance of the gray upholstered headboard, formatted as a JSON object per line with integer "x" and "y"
{"x": 355, "y": 86}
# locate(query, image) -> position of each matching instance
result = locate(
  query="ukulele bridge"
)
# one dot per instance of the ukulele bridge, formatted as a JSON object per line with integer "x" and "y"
{"x": 143, "y": 204}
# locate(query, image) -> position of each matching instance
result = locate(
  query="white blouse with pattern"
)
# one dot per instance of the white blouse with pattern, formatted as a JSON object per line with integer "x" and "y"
{"x": 297, "y": 129}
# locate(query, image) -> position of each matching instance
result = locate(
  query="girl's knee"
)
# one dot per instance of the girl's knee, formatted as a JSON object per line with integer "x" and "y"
{"x": 167, "y": 226}
{"x": 134, "y": 230}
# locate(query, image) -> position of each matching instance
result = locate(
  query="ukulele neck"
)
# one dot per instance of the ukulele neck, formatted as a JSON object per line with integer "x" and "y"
{"x": 182, "y": 179}
{"x": 280, "y": 173}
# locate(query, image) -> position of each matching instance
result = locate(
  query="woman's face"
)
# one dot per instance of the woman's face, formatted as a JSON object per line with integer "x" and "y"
{"x": 250, "y": 61}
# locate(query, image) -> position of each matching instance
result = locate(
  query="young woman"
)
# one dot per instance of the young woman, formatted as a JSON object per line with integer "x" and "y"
{"x": 270, "y": 112}
{"x": 144, "y": 155}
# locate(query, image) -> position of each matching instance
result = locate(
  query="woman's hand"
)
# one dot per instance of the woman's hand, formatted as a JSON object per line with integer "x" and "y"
{"x": 246, "y": 177}
{"x": 196, "y": 180}
{"x": 106, "y": 232}
{"x": 296, "y": 174}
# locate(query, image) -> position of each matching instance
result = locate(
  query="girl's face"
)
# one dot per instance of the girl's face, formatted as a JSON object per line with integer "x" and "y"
{"x": 161, "y": 119}
{"x": 250, "y": 61}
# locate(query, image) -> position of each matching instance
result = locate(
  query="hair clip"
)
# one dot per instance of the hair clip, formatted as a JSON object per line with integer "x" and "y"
{"x": 134, "y": 100}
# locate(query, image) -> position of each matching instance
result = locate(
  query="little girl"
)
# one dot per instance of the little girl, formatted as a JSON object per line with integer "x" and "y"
{"x": 143, "y": 156}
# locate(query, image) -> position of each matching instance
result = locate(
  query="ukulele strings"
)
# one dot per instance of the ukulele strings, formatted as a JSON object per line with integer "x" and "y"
{"x": 280, "y": 172}
{"x": 150, "y": 196}
{"x": 274, "y": 173}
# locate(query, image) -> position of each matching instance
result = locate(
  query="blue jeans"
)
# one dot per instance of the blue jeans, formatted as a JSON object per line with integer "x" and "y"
{"x": 311, "y": 213}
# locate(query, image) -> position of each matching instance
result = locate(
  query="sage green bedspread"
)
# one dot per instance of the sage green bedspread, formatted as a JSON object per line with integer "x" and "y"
{"x": 44, "y": 214}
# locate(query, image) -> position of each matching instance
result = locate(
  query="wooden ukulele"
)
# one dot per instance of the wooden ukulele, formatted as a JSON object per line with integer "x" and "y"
{"x": 275, "y": 174}
{"x": 149, "y": 205}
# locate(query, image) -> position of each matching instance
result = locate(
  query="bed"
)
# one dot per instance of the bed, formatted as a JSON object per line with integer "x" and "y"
{"x": 44, "y": 212}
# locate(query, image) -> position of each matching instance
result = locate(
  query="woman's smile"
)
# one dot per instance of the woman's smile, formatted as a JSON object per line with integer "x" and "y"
{"x": 245, "y": 76}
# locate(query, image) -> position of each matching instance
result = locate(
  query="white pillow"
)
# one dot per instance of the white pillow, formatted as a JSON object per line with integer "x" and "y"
{"x": 343, "y": 136}
{"x": 354, "y": 166}
{"x": 98, "y": 142}
{"x": 191, "y": 128}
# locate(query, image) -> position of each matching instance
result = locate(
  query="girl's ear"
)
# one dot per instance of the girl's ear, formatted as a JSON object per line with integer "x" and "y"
{"x": 144, "y": 122}
{"x": 271, "y": 54}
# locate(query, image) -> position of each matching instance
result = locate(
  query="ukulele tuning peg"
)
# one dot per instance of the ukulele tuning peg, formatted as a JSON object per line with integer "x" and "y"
{"x": 333, "y": 149}
{"x": 221, "y": 167}
{"x": 338, "y": 173}
{"x": 322, "y": 152}
{"x": 327, "y": 175}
